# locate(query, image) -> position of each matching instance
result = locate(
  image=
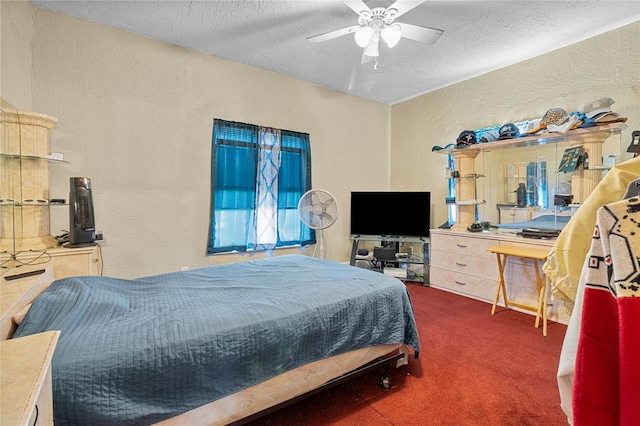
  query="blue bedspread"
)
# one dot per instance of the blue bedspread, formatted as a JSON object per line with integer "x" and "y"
{"x": 140, "y": 351}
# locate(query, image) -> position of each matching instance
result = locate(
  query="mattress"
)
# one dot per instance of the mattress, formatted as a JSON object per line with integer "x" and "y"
{"x": 144, "y": 350}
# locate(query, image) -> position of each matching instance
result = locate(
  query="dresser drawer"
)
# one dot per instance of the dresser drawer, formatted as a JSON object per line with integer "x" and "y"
{"x": 468, "y": 285}
{"x": 470, "y": 265}
{"x": 462, "y": 245}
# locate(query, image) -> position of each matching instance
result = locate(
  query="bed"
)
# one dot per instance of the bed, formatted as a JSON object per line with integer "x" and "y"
{"x": 217, "y": 344}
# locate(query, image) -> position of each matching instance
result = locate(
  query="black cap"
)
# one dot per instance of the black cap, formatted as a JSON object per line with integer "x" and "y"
{"x": 466, "y": 137}
{"x": 509, "y": 131}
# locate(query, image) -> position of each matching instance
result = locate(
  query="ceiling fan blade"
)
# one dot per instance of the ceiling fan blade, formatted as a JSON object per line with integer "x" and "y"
{"x": 357, "y": 6}
{"x": 422, "y": 34}
{"x": 332, "y": 34}
{"x": 403, "y": 6}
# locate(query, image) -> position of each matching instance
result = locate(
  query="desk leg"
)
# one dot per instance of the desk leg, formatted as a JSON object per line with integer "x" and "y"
{"x": 502, "y": 262}
{"x": 541, "y": 282}
{"x": 540, "y": 288}
{"x": 354, "y": 251}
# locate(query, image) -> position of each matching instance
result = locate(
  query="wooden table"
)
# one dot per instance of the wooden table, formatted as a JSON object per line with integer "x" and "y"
{"x": 536, "y": 254}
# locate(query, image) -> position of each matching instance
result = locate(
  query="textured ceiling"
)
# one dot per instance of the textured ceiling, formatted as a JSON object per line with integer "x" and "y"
{"x": 479, "y": 36}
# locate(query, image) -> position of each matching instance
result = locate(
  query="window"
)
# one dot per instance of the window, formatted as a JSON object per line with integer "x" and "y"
{"x": 258, "y": 175}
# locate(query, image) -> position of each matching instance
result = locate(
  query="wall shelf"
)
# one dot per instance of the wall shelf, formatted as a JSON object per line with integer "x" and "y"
{"x": 24, "y": 162}
{"x": 32, "y": 157}
{"x": 505, "y": 164}
{"x": 574, "y": 137}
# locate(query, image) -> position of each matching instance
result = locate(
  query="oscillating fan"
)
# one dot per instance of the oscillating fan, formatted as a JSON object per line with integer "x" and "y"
{"x": 318, "y": 210}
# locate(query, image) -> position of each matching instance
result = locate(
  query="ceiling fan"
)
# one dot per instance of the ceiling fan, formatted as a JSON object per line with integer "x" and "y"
{"x": 380, "y": 23}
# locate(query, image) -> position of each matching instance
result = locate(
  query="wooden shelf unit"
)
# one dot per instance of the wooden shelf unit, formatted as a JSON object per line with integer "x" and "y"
{"x": 583, "y": 181}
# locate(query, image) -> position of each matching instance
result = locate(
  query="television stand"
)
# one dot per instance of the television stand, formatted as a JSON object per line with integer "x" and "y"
{"x": 400, "y": 262}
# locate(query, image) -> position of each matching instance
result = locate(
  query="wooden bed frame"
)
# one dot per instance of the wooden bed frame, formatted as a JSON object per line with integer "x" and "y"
{"x": 290, "y": 387}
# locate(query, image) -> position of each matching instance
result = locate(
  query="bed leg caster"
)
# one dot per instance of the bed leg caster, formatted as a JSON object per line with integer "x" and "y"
{"x": 384, "y": 379}
{"x": 385, "y": 382}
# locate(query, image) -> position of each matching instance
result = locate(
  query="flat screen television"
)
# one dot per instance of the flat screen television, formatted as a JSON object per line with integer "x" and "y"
{"x": 391, "y": 213}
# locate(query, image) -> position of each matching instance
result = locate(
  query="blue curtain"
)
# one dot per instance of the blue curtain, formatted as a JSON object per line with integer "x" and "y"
{"x": 258, "y": 176}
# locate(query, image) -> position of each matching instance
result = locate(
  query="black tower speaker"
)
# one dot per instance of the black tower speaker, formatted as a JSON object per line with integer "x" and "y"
{"x": 82, "y": 228}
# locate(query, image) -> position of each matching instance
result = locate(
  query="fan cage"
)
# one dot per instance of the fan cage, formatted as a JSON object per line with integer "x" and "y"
{"x": 318, "y": 209}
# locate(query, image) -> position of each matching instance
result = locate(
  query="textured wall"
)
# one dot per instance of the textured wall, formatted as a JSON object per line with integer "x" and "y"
{"x": 135, "y": 115}
{"x": 16, "y": 32}
{"x": 607, "y": 65}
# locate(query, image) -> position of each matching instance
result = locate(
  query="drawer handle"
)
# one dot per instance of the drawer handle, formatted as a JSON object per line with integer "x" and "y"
{"x": 460, "y": 283}
{"x": 461, "y": 264}
{"x": 461, "y": 245}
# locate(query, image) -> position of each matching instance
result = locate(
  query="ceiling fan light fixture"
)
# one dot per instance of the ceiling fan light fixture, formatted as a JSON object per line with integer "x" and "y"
{"x": 372, "y": 47}
{"x": 363, "y": 36}
{"x": 391, "y": 35}
{"x": 380, "y": 22}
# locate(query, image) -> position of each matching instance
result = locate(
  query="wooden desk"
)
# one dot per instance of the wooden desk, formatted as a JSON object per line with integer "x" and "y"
{"x": 536, "y": 254}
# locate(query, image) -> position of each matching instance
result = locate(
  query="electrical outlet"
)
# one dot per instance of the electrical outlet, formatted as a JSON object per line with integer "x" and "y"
{"x": 184, "y": 268}
{"x": 99, "y": 236}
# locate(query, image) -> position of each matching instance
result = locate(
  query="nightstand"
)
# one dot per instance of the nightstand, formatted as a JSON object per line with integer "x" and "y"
{"x": 25, "y": 381}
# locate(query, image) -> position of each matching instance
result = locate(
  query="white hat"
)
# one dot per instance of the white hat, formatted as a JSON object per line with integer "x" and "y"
{"x": 597, "y": 106}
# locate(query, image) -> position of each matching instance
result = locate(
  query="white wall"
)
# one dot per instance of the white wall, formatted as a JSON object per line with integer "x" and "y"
{"x": 136, "y": 115}
{"x": 607, "y": 65}
{"x": 16, "y": 32}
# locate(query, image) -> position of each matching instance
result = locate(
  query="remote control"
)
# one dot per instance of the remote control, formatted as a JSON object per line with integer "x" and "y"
{"x": 24, "y": 274}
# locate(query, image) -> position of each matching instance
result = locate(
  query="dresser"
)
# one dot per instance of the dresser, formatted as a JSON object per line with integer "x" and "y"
{"x": 67, "y": 262}
{"x": 460, "y": 263}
